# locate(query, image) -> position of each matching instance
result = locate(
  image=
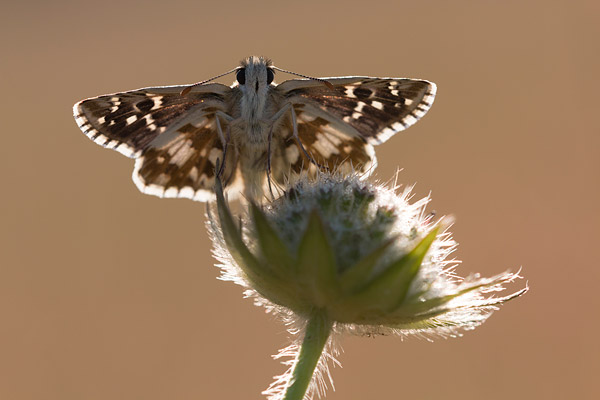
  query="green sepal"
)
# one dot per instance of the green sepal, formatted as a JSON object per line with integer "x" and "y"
{"x": 431, "y": 311}
{"x": 431, "y": 321}
{"x": 354, "y": 278}
{"x": 275, "y": 252}
{"x": 387, "y": 290}
{"x": 425, "y": 309}
{"x": 253, "y": 269}
{"x": 316, "y": 266}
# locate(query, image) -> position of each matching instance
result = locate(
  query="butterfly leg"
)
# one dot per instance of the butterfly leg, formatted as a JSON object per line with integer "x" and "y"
{"x": 289, "y": 107}
{"x": 269, "y": 161}
{"x": 297, "y": 138}
{"x": 272, "y": 122}
{"x": 223, "y": 137}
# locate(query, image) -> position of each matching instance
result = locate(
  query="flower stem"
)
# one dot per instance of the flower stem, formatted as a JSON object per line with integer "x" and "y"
{"x": 315, "y": 337}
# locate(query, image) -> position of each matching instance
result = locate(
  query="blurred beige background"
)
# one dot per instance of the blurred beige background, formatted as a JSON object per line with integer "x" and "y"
{"x": 106, "y": 293}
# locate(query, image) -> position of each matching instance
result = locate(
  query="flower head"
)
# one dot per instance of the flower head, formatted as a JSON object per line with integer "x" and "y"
{"x": 355, "y": 257}
{"x": 361, "y": 252}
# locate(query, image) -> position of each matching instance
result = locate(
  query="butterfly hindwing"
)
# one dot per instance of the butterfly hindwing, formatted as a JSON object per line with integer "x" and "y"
{"x": 184, "y": 163}
{"x": 328, "y": 144}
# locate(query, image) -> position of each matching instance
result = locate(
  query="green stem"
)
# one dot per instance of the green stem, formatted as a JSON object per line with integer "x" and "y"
{"x": 315, "y": 337}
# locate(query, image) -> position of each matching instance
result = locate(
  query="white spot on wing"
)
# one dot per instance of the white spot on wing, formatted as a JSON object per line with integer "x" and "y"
{"x": 174, "y": 148}
{"x": 418, "y": 113}
{"x": 203, "y": 195}
{"x": 186, "y": 192}
{"x": 324, "y": 146}
{"x": 131, "y": 120}
{"x": 397, "y": 126}
{"x": 357, "y": 110}
{"x": 409, "y": 120}
{"x": 184, "y": 151}
{"x": 171, "y": 192}
{"x": 157, "y": 102}
{"x": 80, "y": 121}
{"x": 126, "y": 150}
{"x": 334, "y": 139}
{"x": 428, "y": 98}
{"x": 377, "y": 104}
{"x": 384, "y": 135}
{"x": 153, "y": 189}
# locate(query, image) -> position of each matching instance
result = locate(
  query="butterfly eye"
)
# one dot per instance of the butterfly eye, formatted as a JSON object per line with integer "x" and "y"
{"x": 241, "y": 76}
{"x": 270, "y": 76}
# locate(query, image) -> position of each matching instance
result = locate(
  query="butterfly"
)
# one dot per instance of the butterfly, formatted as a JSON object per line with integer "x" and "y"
{"x": 254, "y": 132}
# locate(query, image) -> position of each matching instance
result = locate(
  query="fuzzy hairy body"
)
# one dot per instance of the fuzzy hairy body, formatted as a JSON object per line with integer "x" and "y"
{"x": 253, "y": 126}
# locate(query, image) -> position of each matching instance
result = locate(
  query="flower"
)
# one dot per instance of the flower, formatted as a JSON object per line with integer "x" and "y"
{"x": 338, "y": 254}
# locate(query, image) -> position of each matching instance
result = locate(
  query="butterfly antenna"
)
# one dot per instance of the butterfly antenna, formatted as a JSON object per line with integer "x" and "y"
{"x": 323, "y": 81}
{"x": 189, "y": 88}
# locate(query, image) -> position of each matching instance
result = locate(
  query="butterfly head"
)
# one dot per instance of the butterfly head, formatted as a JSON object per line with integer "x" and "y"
{"x": 255, "y": 74}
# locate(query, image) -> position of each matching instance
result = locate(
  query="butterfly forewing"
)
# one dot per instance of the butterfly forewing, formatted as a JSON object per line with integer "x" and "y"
{"x": 374, "y": 108}
{"x": 129, "y": 121}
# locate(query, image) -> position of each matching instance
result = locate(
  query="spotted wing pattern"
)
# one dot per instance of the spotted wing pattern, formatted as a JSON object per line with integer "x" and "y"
{"x": 184, "y": 164}
{"x": 374, "y": 108}
{"x": 172, "y": 137}
{"x": 176, "y": 143}
{"x": 339, "y": 127}
{"x": 328, "y": 145}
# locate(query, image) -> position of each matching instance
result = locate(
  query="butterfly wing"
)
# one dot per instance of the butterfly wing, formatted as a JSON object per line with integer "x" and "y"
{"x": 173, "y": 138}
{"x": 327, "y": 142}
{"x": 373, "y": 108}
{"x": 339, "y": 127}
{"x": 183, "y": 164}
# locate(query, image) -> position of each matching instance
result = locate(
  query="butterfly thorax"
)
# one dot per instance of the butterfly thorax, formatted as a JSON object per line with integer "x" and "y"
{"x": 251, "y": 122}
{"x": 256, "y": 104}
{"x": 250, "y": 135}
